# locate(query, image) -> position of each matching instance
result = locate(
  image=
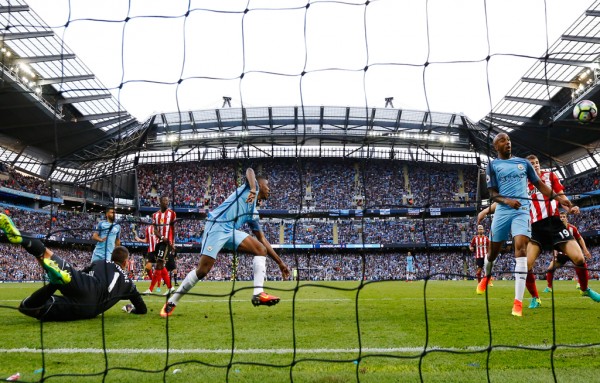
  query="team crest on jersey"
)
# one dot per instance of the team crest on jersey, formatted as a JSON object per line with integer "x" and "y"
{"x": 520, "y": 167}
{"x": 209, "y": 248}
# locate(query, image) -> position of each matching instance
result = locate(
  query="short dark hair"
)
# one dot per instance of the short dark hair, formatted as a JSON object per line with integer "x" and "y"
{"x": 120, "y": 255}
{"x": 261, "y": 177}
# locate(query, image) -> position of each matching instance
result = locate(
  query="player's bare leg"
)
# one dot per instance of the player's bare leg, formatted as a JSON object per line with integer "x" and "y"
{"x": 533, "y": 252}
{"x": 573, "y": 251}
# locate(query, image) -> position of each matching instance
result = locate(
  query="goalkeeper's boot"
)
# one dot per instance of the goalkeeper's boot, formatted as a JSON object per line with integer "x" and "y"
{"x": 482, "y": 285}
{"x": 592, "y": 294}
{"x": 535, "y": 303}
{"x": 264, "y": 299}
{"x": 167, "y": 309}
{"x": 517, "y": 309}
{"x": 547, "y": 290}
{"x": 56, "y": 275}
{"x": 12, "y": 233}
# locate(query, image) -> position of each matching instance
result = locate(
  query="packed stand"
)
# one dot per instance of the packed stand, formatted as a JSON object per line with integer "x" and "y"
{"x": 17, "y": 265}
{"x": 583, "y": 184}
{"x": 10, "y": 178}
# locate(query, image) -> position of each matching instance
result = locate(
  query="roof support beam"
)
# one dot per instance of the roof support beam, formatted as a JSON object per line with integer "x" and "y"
{"x": 511, "y": 117}
{"x": 26, "y": 35}
{"x": 40, "y": 59}
{"x": 398, "y": 119}
{"x": 530, "y": 101}
{"x": 592, "y": 12}
{"x": 14, "y": 8}
{"x": 543, "y": 81}
{"x": 75, "y": 100}
{"x": 219, "y": 122}
{"x": 581, "y": 39}
{"x": 91, "y": 117}
{"x": 121, "y": 118}
{"x": 60, "y": 80}
{"x": 551, "y": 60}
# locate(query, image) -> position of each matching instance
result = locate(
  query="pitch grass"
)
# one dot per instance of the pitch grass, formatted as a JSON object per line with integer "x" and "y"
{"x": 326, "y": 323}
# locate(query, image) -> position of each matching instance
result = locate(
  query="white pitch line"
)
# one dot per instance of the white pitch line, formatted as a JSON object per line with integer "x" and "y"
{"x": 365, "y": 351}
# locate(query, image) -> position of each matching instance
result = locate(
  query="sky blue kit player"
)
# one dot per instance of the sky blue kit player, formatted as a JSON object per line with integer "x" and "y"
{"x": 108, "y": 235}
{"x": 507, "y": 184}
{"x": 224, "y": 222}
{"x": 509, "y": 177}
{"x": 222, "y": 232}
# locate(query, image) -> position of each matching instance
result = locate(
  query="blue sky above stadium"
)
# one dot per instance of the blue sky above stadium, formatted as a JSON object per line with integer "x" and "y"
{"x": 276, "y": 41}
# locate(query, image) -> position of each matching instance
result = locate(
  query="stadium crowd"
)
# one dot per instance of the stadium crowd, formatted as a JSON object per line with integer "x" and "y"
{"x": 18, "y": 266}
{"x": 324, "y": 183}
{"x": 12, "y": 179}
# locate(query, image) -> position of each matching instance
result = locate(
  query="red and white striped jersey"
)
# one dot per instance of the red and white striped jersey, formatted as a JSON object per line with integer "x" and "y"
{"x": 165, "y": 224}
{"x": 151, "y": 238}
{"x": 574, "y": 231}
{"x": 480, "y": 243}
{"x": 130, "y": 265}
{"x": 542, "y": 206}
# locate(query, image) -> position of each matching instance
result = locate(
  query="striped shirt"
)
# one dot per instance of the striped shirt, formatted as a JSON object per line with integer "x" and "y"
{"x": 151, "y": 239}
{"x": 165, "y": 224}
{"x": 541, "y": 206}
{"x": 574, "y": 231}
{"x": 480, "y": 244}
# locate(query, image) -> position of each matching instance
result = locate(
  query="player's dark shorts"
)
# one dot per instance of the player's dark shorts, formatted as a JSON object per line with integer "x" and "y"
{"x": 479, "y": 262}
{"x": 166, "y": 254}
{"x": 151, "y": 257}
{"x": 549, "y": 232}
{"x": 171, "y": 264}
{"x": 79, "y": 298}
{"x": 561, "y": 259}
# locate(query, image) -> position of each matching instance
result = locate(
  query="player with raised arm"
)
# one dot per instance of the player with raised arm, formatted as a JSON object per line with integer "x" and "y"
{"x": 222, "y": 231}
{"x": 84, "y": 294}
{"x": 506, "y": 178}
{"x": 479, "y": 246}
{"x": 560, "y": 258}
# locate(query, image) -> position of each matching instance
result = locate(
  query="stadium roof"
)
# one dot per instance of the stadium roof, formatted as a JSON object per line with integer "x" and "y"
{"x": 52, "y": 104}
{"x": 59, "y": 122}
{"x": 537, "y": 111}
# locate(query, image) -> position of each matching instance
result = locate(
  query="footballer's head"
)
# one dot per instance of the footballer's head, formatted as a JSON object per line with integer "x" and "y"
{"x": 263, "y": 186}
{"x": 480, "y": 229}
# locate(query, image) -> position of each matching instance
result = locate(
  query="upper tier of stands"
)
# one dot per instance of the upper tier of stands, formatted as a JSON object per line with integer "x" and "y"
{"x": 319, "y": 184}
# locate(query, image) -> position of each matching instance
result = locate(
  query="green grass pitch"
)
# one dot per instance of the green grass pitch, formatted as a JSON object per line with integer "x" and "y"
{"x": 320, "y": 332}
